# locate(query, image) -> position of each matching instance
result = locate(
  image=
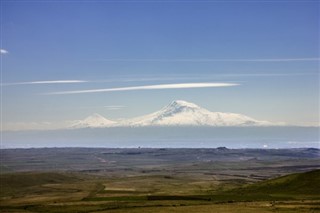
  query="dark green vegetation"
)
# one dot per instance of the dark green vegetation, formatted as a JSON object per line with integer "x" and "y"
{"x": 295, "y": 184}
{"x": 159, "y": 180}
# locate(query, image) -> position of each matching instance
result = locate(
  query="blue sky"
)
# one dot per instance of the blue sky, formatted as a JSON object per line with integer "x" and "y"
{"x": 269, "y": 48}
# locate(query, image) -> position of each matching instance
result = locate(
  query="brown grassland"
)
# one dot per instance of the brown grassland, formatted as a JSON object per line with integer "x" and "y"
{"x": 159, "y": 180}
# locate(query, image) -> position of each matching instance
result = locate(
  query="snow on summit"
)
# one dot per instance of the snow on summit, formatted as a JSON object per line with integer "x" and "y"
{"x": 94, "y": 121}
{"x": 181, "y": 103}
{"x": 177, "y": 113}
{"x": 183, "y": 113}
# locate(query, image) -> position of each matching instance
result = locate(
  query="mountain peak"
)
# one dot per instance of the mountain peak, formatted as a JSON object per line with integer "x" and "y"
{"x": 177, "y": 113}
{"x": 182, "y": 103}
{"x": 183, "y": 113}
{"x": 94, "y": 120}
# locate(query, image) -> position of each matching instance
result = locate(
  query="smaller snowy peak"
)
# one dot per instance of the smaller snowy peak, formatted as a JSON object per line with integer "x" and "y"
{"x": 95, "y": 121}
{"x": 95, "y": 116}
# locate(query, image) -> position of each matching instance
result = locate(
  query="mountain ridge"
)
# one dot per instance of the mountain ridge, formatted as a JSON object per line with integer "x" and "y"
{"x": 95, "y": 121}
{"x": 177, "y": 113}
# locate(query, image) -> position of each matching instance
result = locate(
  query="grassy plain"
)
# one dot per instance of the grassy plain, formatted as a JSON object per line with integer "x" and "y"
{"x": 159, "y": 180}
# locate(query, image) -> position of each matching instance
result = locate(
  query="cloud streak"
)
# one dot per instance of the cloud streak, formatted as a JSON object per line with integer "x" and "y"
{"x": 201, "y": 77}
{"x": 159, "y": 78}
{"x": 114, "y": 107}
{"x": 45, "y": 82}
{"x": 147, "y": 87}
{"x": 3, "y": 51}
{"x": 211, "y": 60}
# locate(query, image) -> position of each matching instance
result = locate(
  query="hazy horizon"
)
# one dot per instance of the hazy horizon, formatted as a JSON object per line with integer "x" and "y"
{"x": 167, "y": 137}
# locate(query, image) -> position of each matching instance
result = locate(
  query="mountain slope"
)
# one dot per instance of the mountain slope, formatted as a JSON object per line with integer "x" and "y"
{"x": 181, "y": 113}
{"x": 177, "y": 113}
{"x": 94, "y": 121}
{"x": 299, "y": 183}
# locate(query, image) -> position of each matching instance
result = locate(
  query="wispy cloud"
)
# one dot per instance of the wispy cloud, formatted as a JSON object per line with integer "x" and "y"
{"x": 209, "y": 60}
{"x": 201, "y": 77}
{"x": 147, "y": 87}
{"x": 3, "y": 51}
{"x": 45, "y": 82}
{"x": 114, "y": 107}
{"x": 167, "y": 78}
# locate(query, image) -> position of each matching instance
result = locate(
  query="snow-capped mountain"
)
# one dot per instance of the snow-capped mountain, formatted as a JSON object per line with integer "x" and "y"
{"x": 182, "y": 113}
{"x": 93, "y": 121}
{"x": 177, "y": 113}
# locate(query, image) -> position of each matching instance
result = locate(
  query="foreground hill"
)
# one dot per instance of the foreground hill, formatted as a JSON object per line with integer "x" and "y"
{"x": 29, "y": 182}
{"x": 78, "y": 193}
{"x": 307, "y": 183}
{"x": 98, "y": 180}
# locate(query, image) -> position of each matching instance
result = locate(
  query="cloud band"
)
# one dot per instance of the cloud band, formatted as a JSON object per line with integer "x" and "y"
{"x": 45, "y": 82}
{"x": 3, "y": 51}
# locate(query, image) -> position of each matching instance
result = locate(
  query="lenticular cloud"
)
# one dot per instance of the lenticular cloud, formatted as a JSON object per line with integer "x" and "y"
{"x": 148, "y": 87}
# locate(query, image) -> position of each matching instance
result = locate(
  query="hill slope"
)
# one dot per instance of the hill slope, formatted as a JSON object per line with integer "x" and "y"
{"x": 307, "y": 183}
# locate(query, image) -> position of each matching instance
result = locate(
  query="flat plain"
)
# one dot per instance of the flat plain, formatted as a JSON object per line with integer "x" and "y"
{"x": 99, "y": 180}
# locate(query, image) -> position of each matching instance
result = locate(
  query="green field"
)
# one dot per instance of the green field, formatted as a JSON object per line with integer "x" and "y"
{"x": 137, "y": 181}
